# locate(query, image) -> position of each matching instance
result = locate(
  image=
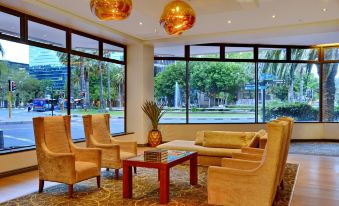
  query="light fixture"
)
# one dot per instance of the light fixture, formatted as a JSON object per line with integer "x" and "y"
{"x": 140, "y": 23}
{"x": 274, "y": 16}
{"x": 324, "y": 9}
{"x": 229, "y": 21}
{"x": 177, "y": 17}
{"x": 111, "y": 9}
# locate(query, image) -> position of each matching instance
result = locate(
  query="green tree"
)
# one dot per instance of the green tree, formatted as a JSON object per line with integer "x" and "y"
{"x": 165, "y": 81}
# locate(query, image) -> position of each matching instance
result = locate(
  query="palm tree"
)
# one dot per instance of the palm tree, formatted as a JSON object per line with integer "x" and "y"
{"x": 2, "y": 51}
{"x": 119, "y": 79}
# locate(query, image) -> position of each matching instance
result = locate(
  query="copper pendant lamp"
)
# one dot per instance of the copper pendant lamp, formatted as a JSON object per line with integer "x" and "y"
{"x": 111, "y": 9}
{"x": 177, "y": 17}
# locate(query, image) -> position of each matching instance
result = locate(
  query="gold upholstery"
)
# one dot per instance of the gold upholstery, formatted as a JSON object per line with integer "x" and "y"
{"x": 226, "y": 139}
{"x": 248, "y": 183}
{"x": 98, "y": 135}
{"x": 59, "y": 160}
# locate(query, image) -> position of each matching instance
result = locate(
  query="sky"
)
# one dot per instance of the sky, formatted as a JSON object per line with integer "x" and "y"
{"x": 15, "y": 52}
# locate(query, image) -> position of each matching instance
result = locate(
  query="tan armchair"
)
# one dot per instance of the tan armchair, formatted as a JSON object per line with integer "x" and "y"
{"x": 59, "y": 160}
{"x": 98, "y": 135}
{"x": 242, "y": 182}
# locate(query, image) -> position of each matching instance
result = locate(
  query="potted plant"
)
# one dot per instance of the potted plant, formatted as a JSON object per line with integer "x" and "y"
{"x": 154, "y": 113}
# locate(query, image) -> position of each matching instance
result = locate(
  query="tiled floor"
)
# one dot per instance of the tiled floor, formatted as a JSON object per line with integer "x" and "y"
{"x": 317, "y": 182}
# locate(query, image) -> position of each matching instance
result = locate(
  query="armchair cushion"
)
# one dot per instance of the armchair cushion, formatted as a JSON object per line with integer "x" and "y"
{"x": 85, "y": 170}
{"x": 222, "y": 139}
{"x": 55, "y": 135}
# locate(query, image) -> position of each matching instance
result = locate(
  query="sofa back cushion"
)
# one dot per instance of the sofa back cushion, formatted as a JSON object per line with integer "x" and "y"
{"x": 199, "y": 138}
{"x": 225, "y": 139}
{"x": 256, "y": 138}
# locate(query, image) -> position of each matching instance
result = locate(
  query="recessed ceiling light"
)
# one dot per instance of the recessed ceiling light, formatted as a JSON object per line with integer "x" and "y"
{"x": 229, "y": 21}
{"x": 155, "y": 30}
{"x": 274, "y": 16}
{"x": 140, "y": 23}
{"x": 324, "y": 9}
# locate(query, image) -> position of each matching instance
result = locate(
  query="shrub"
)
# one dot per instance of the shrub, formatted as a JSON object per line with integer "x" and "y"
{"x": 299, "y": 111}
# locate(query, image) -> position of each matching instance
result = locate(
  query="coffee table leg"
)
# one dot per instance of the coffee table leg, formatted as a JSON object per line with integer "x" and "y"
{"x": 164, "y": 185}
{"x": 127, "y": 181}
{"x": 193, "y": 171}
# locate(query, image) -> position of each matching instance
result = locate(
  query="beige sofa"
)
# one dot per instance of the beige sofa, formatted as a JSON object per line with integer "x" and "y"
{"x": 212, "y": 146}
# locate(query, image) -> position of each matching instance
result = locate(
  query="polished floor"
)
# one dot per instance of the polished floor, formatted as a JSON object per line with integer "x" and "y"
{"x": 317, "y": 182}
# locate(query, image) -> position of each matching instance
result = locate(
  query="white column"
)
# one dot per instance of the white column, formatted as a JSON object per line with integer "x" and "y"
{"x": 140, "y": 64}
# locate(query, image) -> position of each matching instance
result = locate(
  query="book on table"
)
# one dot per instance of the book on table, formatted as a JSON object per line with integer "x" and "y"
{"x": 158, "y": 155}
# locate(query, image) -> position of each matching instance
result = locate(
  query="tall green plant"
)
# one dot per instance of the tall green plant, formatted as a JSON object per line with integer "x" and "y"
{"x": 154, "y": 112}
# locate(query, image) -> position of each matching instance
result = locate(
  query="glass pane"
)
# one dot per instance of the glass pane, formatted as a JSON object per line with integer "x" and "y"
{"x": 221, "y": 92}
{"x": 272, "y": 53}
{"x": 9, "y": 24}
{"x": 331, "y": 53}
{"x": 40, "y": 79}
{"x": 96, "y": 88}
{"x": 205, "y": 51}
{"x": 288, "y": 90}
{"x": 173, "y": 51}
{"x": 113, "y": 52}
{"x": 46, "y": 34}
{"x": 84, "y": 44}
{"x": 304, "y": 54}
{"x": 169, "y": 89}
{"x": 239, "y": 53}
{"x": 331, "y": 93}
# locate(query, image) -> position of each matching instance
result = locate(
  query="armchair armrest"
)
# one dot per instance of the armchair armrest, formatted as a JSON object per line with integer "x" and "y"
{"x": 109, "y": 151}
{"x": 246, "y": 156}
{"x": 251, "y": 150}
{"x": 88, "y": 155}
{"x": 58, "y": 167}
{"x": 239, "y": 164}
{"x": 126, "y": 146}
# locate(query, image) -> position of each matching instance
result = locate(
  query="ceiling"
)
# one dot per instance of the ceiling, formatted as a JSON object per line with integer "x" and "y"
{"x": 296, "y": 21}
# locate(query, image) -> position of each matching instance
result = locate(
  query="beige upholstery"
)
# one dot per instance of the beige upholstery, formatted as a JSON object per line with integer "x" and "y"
{"x": 190, "y": 146}
{"x": 98, "y": 135}
{"x": 248, "y": 183}
{"x": 226, "y": 139}
{"x": 59, "y": 160}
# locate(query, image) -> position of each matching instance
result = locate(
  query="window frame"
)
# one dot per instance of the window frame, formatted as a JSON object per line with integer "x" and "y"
{"x": 255, "y": 60}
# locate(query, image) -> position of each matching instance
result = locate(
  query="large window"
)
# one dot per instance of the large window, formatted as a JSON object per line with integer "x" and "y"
{"x": 221, "y": 92}
{"x": 55, "y": 71}
{"x": 230, "y": 83}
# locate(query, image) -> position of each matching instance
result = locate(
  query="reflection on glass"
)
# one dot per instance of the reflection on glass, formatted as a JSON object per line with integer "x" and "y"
{"x": 113, "y": 52}
{"x": 84, "y": 44}
{"x": 272, "y": 53}
{"x": 205, "y": 51}
{"x": 304, "y": 54}
{"x": 331, "y": 93}
{"x": 331, "y": 54}
{"x": 169, "y": 89}
{"x": 221, "y": 92}
{"x": 173, "y": 51}
{"x": 41, "y": 79}
{"x": 46, "y": 34}
{"x": 239, "y": 53}
{"x": 288, "y": 90}
{"x": 9, "y": 25}
{"x": 97, "y": 87}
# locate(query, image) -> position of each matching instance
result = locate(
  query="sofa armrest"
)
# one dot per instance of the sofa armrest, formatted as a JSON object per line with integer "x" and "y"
{"x": 239, "y": 164}
{"x": 251, "y": 150}
{"x": 246, "y": 156}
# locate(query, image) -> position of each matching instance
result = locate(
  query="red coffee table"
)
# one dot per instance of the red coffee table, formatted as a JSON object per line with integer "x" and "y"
{"x": 174, "y": 158}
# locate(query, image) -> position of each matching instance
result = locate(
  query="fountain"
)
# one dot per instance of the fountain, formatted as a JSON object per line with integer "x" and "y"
{"x": 176, "y": 95}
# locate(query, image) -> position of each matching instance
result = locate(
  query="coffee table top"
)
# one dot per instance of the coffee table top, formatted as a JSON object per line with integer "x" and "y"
{"x": 173, "y": 155}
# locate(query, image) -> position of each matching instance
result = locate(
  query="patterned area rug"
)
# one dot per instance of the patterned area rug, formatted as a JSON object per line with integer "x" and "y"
{"x": 145, "y": 190}
{"x": 315, "y": 148}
